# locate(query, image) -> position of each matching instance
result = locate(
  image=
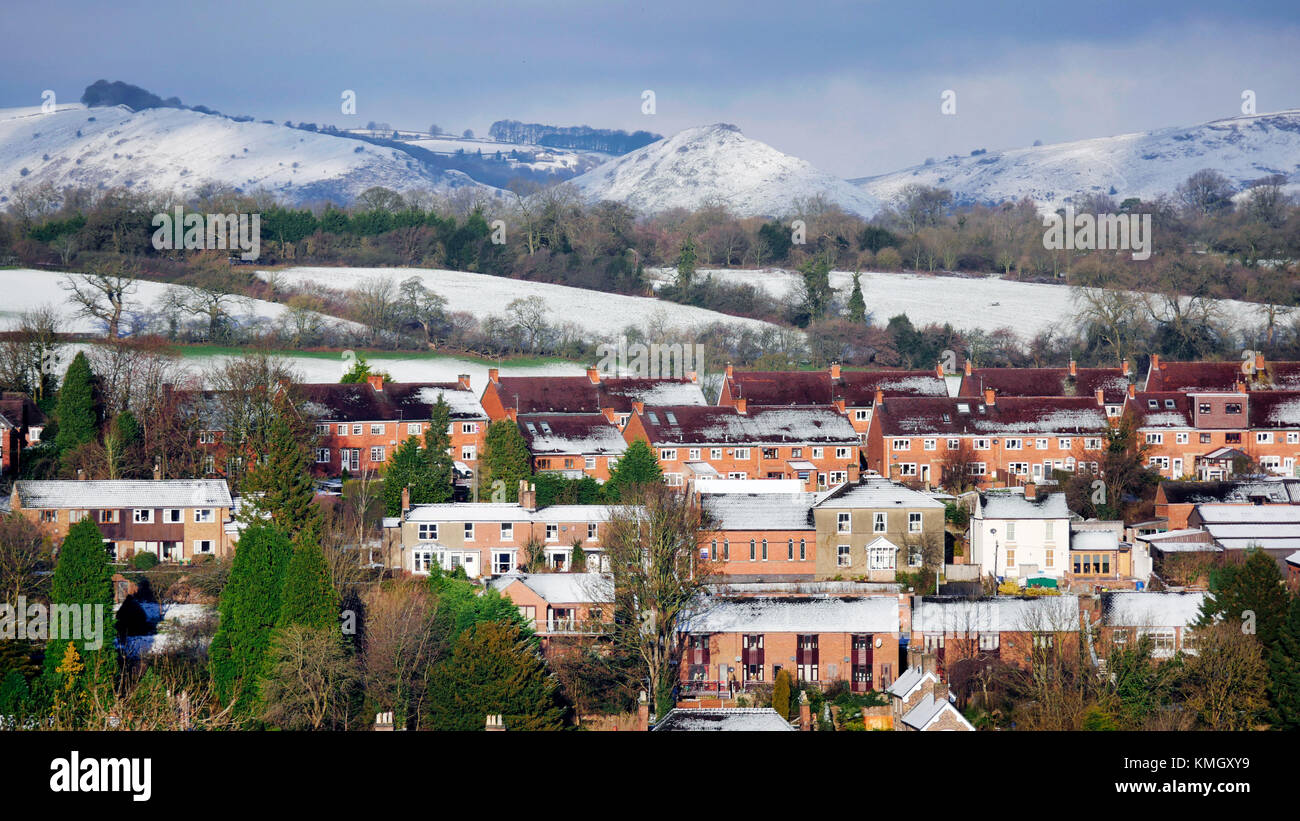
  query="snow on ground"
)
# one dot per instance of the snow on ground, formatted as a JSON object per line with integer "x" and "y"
{"x": 168, "y": 620}
{"x": 987, "y": 303}
{"x": 600, "y": 316}
{"x": 25, "y": 289}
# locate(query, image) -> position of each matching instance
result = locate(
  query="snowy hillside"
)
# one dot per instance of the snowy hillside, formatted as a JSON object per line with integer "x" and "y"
{"x": 1145, "y": 164}
{"x": 593, "y": 312}
{"x": 25, "y": 290}
{"x": 717, "y": 163}
{"x": 987, "y": 303}
{"x": 176, "y": 150}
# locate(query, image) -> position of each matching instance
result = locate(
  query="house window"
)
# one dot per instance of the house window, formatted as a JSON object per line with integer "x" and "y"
{"x": 322, "y": 455}
{"x": 930, "y": 444}
{"x": 843, "y": 522}
{"x": 902, "y": 444}
{"x": 1263, "y": 438}
{"x": 1155, "y": 438}
{"x": 752, "y": 548}
{"x": 1065, "y": 443}
{"x": 1011, "y": 558}
{"x": 882, "y": 558}
{"x": 1013, "y": 444}
{"x": 1049, "y": 531}
{"x": 954, "y": 444}
{"x": 1095, "y": 444}
{"x": 1011, "y": 531}
{"x": 1180, "y": 438}
{"x": 816, "y": 453}
{"x": 503, "y": 561}
{"x": 207, "y": 437}
{"x": 53, "y": 515}
{"x": 1293, "y": 438}
{"x": 771, "y": 453}
{"x": 789, "y": 549}
{"x": 469, "y": 531}
{"x": 412, "y": 428}
{"x": 106, "y": 517}
{"x": 468, "y": 453}
{"x": 323, "y": 430}
{"x": 377, "y": 454}
{"x": 726, "y": 550}
{"x": 914, "y": 523}
{"x": 667, "y": 454}
{"x": 879, "y": 522}
{"x": 976, "y": 468}
{"x": 765, "y": 550}
{"x": 742, "y": 453}
{"x": 202, "y": 546}
{"x": 376, "y": 430}
{"x": 427, "y": 531}
{"x": 1232, "y": 407}
{"x": 803, "y": 550}
{"x": 907, "y": 469}
{"x": 1232, "y": 438}
{"x": 507, "y": 531}
{"x": 842, "y": 453}
{"x": 1206, "y": 438}
{"x": 203, "y": 514}
{"x": 842, "y": 556}
{"x": 1018, "y": 468}
{"x": 591, "y": 531}
{"x": 142, "y": 516}
{"x": 343, "y": 430}
{"x": 914, "y": 557}
{"x": 1041, "y": 444}
{"x": 469, "y": 427}
{"x": 173, "y": 515}
{"x": 356, "y": 430}
{"x": 715, "y": 453}
{"x": 981, "y": 444}
{"x": 552, "y": 533}
{"x": 861, "y": 415}
{"x": 421, "y": 561}
{"x": 1050, "y": 560}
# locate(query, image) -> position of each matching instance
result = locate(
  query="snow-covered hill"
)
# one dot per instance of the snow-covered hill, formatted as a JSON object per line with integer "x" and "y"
{"x": 177, "y": 150}
{"x": 716, "y": 163}
{"x": 1145, "y": 164}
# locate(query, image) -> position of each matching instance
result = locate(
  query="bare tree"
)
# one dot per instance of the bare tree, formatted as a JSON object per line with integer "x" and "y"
{"x": 103, "y": 295}
{"x": 309, "y": 680}
{"x": 22, "y": 555}
{"x": 401, "y": 647}
{"x": 30, "y": 356}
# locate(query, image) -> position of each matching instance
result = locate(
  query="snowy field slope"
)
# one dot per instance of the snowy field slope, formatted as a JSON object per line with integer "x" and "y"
{"x": 25, "y": 289}
{"x": 986, "y": 303}
{"x": 1145, "y": 164}
{"x": 543, "y": 158}
{"x": 175, "y": 151}
{"x": 717, "y": 163}
{"x": 596, "y": 314}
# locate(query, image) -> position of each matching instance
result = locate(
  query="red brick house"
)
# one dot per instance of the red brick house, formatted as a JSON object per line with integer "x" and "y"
{"x": 1072, "y": 381}
{"x": 1167, "y": 617}
{"x": 814, "y": 444}
{"x": 571, "y": 444}
{"x": 593, "y": 393}
{"x": 561, "y": 605}
{"x": 21, "y": 423}
{"x": 1006, "y": 628}
{"x": 766, "y": 537}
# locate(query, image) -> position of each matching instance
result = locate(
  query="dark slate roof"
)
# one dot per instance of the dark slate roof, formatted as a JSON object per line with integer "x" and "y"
{"x": 690, "y": 425}
{"x": 20, "y": 410}
{"x": 1243, "y": 491}
{"x": 398, "y": 401}
{"x": 856, "y": 388}
{"x": 1048, "y": 382}
{"x": 1172, "y": 410}
{"x": 578, "y": 394}
{"x": 1274, "y": 409}
{"x": 570, "y": 433}
{"x": 1012, "y": 415}
{"x": 1223, "y": 376}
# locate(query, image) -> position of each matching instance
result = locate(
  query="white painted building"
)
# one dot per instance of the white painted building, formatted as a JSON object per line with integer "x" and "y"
{"x": 1019, "y": 534}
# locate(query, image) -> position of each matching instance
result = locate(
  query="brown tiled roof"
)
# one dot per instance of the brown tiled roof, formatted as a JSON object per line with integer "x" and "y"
{"x": 570, "y": 433}
{"x": 856, "y": 388}
{"x": 1163, "y": 415}
{"x": 1274, "y": 409}
{"x": 1048, "y": 382}
{"x": 1194, "y": 376}
{"x": 20, "y": 410}
{"x": 578, "y": 394}
{"x": 713, "y": 424}
{"x": 1011, "y": 415}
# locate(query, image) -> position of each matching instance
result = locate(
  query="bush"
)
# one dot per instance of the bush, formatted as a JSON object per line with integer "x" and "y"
{"x": 144, "y": 560}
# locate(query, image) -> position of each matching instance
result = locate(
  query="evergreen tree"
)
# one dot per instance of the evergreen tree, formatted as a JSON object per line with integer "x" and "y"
{"x": 76, "y": 412}
{"x": 1246, "y": 593}
{"x": 249, "y": 610}
{"x": 781, "y": 691}
{"x": 1284, "y": 671}
{"x": 578, "y": 558}
{"x": 406, "y": 469}
{"x": 437, "y": 452}
{"x": 505, "y": 458}
{"x": 492, "y": 669}
{"x": 817, "y": 291}
{"x": 857, "y": 304}
{"x": 279, "y": 485}
{"x": 309, "y": 597}
{"x": 461, "y": 605}
{"x": 83, "y": 577}
{"x": 637, "y": 468}
{"x": 686, "y": 264}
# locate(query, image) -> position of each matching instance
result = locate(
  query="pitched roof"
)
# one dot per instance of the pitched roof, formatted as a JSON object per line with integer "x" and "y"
{"x": 578, "y": 394}
{"x": 1194, "y": 376}
{"x": 1274, "y": 409}
{"x": 794, "y": 614}
{"x": 1027, "y": 416}
{"x": 507, "y": 512}
{"x": 1126, "y": 608}
{"x": 856, "y": 388}
{"x": 1011, "y": 505}
{"x": 563, "y": 588}
{"x": 928, "y": 709}
{"x": 398, "y": 401}
{"x": 687, "y": 425}
{"x": 1170, "y": 409}
{"x": 121, "y": 493}
{"x": 946, "y": 614}
{"x": 876, "y": 492}
{"x": 1241, "y": 491}
{"x": 571, "y": 433}
{"x": 760, "y": 511}
{"x": 20, "y": 410}
{"x": 905, "y": 683}
{"x": 739, "y": 719}
{"x": 1048, "y": 382}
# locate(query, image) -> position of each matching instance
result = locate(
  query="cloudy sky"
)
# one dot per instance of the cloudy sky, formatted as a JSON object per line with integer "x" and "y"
{"x": 854, "y": 87}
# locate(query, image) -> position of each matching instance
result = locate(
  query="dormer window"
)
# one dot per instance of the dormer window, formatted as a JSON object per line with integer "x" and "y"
{"x": 1169, "y": 403}
{"x": 1153, "y": 404}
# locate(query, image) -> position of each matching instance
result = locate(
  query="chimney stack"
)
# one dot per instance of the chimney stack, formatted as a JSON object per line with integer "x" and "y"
{"x": 742, "y": 406}
{"x": 968, "y": 367}
{"x": 384, "y": 722}
{"x": 1031, "y": 491}
{"x": 463, "y": 381}
{"x": 406, "y": 500}
{"x": 1132, "y": 391}
{"x": 730, "y": 370}
{"x": 835, "y": 370}
{"x": 880, "y": 398}
{"x": 1260, "y": 364}
{"x": 1101, "y": 397}
{"x": 805, "y": 712}
{"x": 1155, "y": 361}
{"x": 1124, "y": 365}
{"x": 990, "y": 397}
{"x": 938, "y": 370}
{"x": 594, "y": 375}
{"x": 638, "y": 406}
{"x": 1241, "y": 386}
{"x": 527, "y": 495}
{"x": 81, "y": 475}
{"x": 376, "y": 381}
{"x": 512, "y": 414}
{"x": 1074, "y": 368}
{"x": 157, "y": 471}
{"x": 493, "y": 374}
{"x": 643, "y": 713}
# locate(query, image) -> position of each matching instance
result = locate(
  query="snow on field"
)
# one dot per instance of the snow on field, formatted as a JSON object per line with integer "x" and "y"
{"x": 174, "y": 150}
{"x": 25, "y": 289}
{"x": 402, "y": 369}
{"x": 987, "y": 303}
{"x": 598, "y": 315}
{"x": 168, "y": 620}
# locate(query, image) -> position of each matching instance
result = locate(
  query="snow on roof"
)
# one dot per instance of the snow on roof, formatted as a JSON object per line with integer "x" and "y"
{"x": 1150, "y": 609}
{"x": 950, "y": 614}
{"x": 1172, "y": 535}
{"x": 573, "y": 433}
{"x": 918, "y": 416}
{"x": 789, "y": 614}
{"x": 747, "y": 485}
{"x": 1013, "y": 505}
{"x": 905, "y": 683}
{"x": 1094, "y": 540}
{"x": 1244, "y": 491}
{"x": 1248, "y": 514}
{"x": 563, "y": 588}
{"x": 573, "y": 513}
{"x": 462, "y": 403}
{"x": 718, "y": 424}
{"x": 1294, "y": 558}
{"x": 876, "y": 492}
{"x": 468, "y": 512}
{"x": 742, "y": 719}
{"x": 760, "y": 511}
{"x": 120, "y": 493}
{"x": 664, "y": 392}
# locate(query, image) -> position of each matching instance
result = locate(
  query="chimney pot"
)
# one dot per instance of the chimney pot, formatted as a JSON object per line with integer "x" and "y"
{"x": 730, "y": 370}
{"x": 968, "y": 367}
{"x": 1124, "y": 364}
{"x": 594, "y": 375}
{"x": 463, "y": 381}
{"x": 376, "y": 381}
{"x": 742, "y": 406}
{"x": 493, "y": 375}
{"x": 835, "y": 370}
{"x": 938, "y": 370}
{"x": 1260, "y": 363}
{"x": 880, "y": 397}
{"x": 990, "y": 397}
{"x": 1155, "y": 361}
{"x": 1101, "y": 397}
{"x": 1132, "y": 391}
{"x": 1074, "y": 368}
